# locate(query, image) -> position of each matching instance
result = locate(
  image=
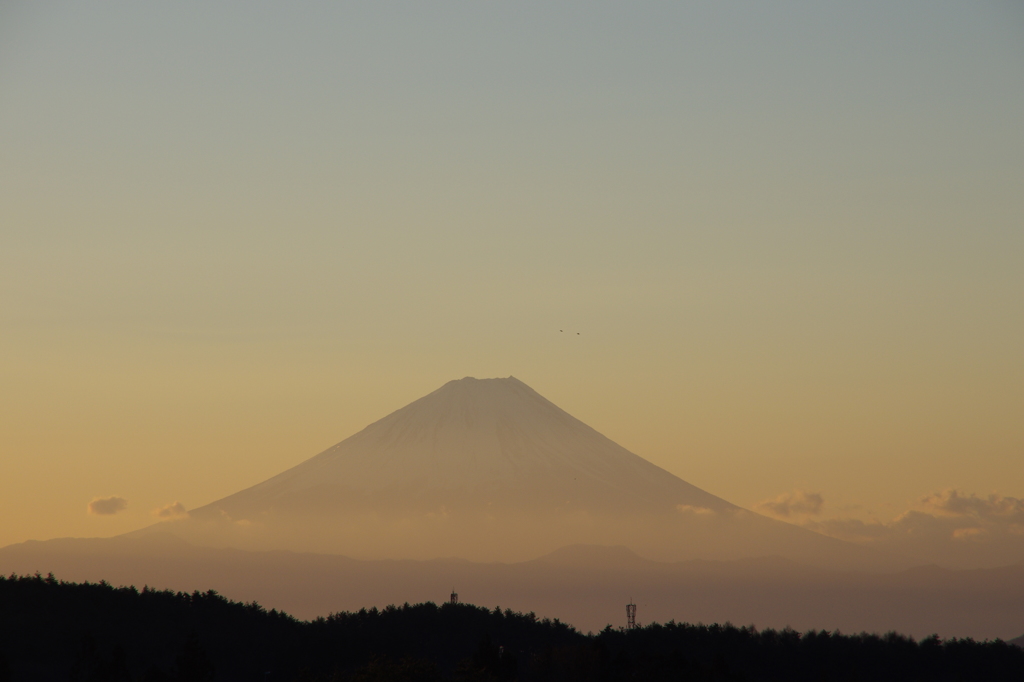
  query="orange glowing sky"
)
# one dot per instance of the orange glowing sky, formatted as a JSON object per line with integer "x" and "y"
{"x": 789, "y": 238}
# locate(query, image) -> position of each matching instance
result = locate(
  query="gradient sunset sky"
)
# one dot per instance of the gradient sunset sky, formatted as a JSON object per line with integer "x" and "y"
{"x": 784, "y": 241}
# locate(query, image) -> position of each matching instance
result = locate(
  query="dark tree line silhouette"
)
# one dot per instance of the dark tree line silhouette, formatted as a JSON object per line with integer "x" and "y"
{"x": 85, "y": 632}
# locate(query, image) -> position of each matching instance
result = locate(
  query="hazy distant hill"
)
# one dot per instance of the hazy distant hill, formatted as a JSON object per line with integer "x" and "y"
{"x": 583, "y": 585}
{"x": 490, "y": 470}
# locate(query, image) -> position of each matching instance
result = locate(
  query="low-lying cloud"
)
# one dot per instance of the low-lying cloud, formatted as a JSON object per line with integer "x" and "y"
{"x": 948, "y": 514}
{"x": 107, "y": 506}
{"x": 949, "y": 526}
{"x": 996, "y": 508}
{"x": 796, "y": 503}
{"x": 174, "y": 510}
{"x": 690, "y": 509}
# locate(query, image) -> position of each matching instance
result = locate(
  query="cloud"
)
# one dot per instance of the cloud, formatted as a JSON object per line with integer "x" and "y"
{"x": 796, "y": 503}
{"x": 171, "y": 511}
{"x": 105, "y": 506}
{"x": 994, "y": 508}
{"x": 947, "y": 526}
{"x": 852, "y": 530}
{"x": 690, "y": 509}
{"x": 968, "y": 533}
{"x": 944, "y": 514}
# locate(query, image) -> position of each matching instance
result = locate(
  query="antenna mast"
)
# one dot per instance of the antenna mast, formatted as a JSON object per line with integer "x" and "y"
{"x": 630, "y": 615}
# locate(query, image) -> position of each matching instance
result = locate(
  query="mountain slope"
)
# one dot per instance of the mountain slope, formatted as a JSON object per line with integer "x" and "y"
{"x": 493, "y": 443}
{"x": 490, "y": 470}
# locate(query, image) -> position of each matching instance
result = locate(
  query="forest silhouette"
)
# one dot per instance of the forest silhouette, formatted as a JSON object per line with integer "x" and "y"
{"x": 95, "y": 632}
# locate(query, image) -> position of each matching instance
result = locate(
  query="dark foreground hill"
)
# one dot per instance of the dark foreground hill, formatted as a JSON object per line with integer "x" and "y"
{"x": 52, "y": 630}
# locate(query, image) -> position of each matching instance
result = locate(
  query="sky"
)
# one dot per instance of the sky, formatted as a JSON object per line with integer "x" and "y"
{"x": 774, "y": 249}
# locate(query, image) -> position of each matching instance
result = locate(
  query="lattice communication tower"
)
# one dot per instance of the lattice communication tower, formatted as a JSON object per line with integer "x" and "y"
{"x": 630, "y": 615}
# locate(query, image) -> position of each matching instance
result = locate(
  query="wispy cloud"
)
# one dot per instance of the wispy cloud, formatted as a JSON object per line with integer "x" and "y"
{"x": 995, "y": 508}
{"x": 948, "y": 526}
{"x": 947, "y": 514}
{"x": 690, "y": 509}
{"x": 106, "y": 506}
{"x": 793, "y": 504}
{"x": 170, "y": 511}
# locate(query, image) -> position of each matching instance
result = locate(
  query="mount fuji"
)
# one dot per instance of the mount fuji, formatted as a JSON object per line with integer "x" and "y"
{"x": 490, "y": 470}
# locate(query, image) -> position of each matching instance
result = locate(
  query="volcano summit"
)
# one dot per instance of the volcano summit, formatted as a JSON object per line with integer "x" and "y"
{"x": 474, "y": 446}
{"x": 488, "y": 469}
